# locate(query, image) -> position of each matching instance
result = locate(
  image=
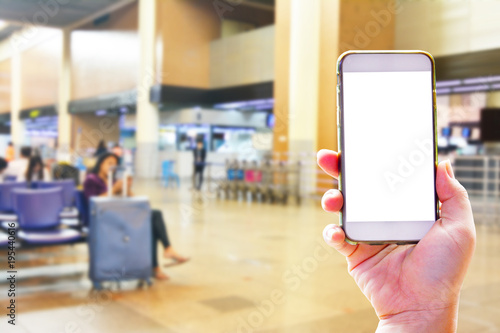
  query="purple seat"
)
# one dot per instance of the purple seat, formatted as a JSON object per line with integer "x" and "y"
{"x": 6, "y": 194}
{"x": 38, "y": 217}
{"x": 49, "y": 237}
{"x": 83, "y": 207}
{"x": 38, "y": 209}
{"x": 68, "y": 186}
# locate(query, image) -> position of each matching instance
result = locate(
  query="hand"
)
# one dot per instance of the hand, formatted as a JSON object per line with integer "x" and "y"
{"x": 413, "y": 288}
{"x": 129, "y": 186}
{"x": 117, "y": 187}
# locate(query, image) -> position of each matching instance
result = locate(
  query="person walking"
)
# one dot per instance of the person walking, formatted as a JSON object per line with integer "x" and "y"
{"x": 199, "y": 155}
{"x": 9, "y": 152}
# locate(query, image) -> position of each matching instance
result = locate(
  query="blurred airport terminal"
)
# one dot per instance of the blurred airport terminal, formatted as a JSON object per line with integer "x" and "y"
{"x": 215, "y": 110}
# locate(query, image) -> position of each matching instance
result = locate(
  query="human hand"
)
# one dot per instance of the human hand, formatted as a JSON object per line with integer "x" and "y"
{"x": 413, "y": 288}
{"x": 118, "y": 186}
{"x": 129, "y": 186}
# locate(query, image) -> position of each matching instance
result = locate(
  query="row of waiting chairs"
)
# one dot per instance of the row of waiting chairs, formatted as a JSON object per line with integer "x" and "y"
{"x": 42, "y": 213}
{"x": 266, "y": 182}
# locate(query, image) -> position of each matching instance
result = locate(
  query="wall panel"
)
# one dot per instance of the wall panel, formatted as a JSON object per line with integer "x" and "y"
{"x": 244, "y": 58}
{"x": 105, "y": 56}
{"x": 5, "y": 86}
{"x": 448, "y": 27}
{"x": 40, "y": 72}
{"x": 185, "y": 30}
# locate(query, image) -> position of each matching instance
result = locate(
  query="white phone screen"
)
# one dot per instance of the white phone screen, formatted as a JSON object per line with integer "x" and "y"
{"x": 388, "y": 146}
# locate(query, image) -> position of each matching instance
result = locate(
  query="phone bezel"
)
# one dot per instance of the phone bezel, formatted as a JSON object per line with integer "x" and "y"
{"x": 403, "y": 232}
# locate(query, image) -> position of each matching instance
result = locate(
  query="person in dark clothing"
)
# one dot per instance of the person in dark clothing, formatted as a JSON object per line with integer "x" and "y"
{"x": 36, "y": 170}
{"x": 199, "y": 155}
{"x": 101, "y": 149}
{"x": 3, "y": 165}
{"x": 96, "y": 185}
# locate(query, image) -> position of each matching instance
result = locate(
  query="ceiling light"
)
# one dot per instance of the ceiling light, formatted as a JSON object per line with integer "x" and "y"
{"x": 448, "y": 83}
{"x": 470, "y": 88}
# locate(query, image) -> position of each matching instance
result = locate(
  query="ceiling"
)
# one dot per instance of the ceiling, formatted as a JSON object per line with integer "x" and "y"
{"x": 466, "y": 65}
{"x": 58, "y": 15}
{"x": 8, "y": 30}
{"x": 61, "y": 13}
{"x": 263, "y": 3}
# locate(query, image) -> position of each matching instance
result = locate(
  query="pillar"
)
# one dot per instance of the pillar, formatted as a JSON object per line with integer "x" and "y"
{"x": 17, "y": 126}
{"x": 304, "y": 75}
{"x": 147, "y": 135}
{"x": 282, "y": 77}
{"x": 327, "y": 90}
{"x": 310, "y": 35}
{"x": 64, "y": 97}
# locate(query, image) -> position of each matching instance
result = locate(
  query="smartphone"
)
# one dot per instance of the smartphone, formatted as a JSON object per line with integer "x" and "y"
{"x": 387, "y": 142}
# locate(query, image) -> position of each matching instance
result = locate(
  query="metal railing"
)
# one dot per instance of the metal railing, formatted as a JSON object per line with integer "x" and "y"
{"x": 480, "y": 175}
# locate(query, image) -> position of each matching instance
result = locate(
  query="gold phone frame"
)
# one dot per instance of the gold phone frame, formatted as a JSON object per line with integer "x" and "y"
{"x": 341, "y": 138}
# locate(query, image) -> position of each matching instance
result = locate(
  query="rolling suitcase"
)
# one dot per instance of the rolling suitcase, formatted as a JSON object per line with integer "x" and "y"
{"x": 120, "y": 239}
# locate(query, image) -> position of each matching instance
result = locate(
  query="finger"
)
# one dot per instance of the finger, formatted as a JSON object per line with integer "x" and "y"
{"x": 356, "y": 254}
{"x": 335, "y": 237}
{"x": 332, "y": 201}
{"x": 456, "y": 211}
{"x": 328, "y": 160}
{"x": 455, "y": 204}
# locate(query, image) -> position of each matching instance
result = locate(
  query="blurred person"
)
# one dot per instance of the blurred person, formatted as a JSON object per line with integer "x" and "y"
{"x": 96, "y": 185}
{"x": 118, "y": 151}
{"x": 10, "y": 153}
{"x": 36, "y": 171}
{"x": 101, "y": 149}
{"x": 413, "y": 288}
{"x": 3, "y": 165}
{"x": 17, "y": 168}
{"x": 199, "y": 154}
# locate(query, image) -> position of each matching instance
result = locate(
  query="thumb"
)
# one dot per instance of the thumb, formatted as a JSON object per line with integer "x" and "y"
{"x": 455, "y": 209}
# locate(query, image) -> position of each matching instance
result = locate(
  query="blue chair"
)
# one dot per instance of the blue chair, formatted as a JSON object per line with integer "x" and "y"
{"x": 168, "y": 173}
{"x": 68, "y": 186}
{"x": 38, "y": 217}
{"x": 82, "y": 206}
{"x": 6, "y": 194}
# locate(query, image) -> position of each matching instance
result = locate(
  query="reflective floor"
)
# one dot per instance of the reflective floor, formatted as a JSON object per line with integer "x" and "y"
{"x": 254, "y": 268}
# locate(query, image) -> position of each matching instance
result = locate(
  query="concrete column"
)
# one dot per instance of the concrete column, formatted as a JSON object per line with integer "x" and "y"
{"x": 303, "y": 87}
{"x": 327, "y": 90}
{"x": 281, "y": 79}
{"x": 147, "y": 135}
{"x": 17, "y": 126}
{"x": 304, "y": 75}
{"x": 64, "y": 96}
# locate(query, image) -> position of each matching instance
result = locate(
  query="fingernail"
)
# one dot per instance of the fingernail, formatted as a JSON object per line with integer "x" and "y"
{"x": 449, "y": 169}
{"x": 330, "y": 192}
{"x": 329, "y": 234}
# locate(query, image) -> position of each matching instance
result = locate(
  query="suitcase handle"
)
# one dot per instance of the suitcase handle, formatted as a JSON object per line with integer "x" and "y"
{"x": 125, "y": 176}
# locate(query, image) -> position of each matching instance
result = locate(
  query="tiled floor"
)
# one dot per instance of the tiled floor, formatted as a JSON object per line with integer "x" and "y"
{"x": 242, "y": 278}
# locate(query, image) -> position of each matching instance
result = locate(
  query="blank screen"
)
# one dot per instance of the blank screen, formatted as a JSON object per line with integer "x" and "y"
{"x": 388, "y": 146}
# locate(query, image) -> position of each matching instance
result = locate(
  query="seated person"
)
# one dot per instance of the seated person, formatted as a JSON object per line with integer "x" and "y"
{"x": 96, "y": 185}
{"x": 17, "y": 167}
{"x": 3, "y": 166}
{"x": 36, "y": 171}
